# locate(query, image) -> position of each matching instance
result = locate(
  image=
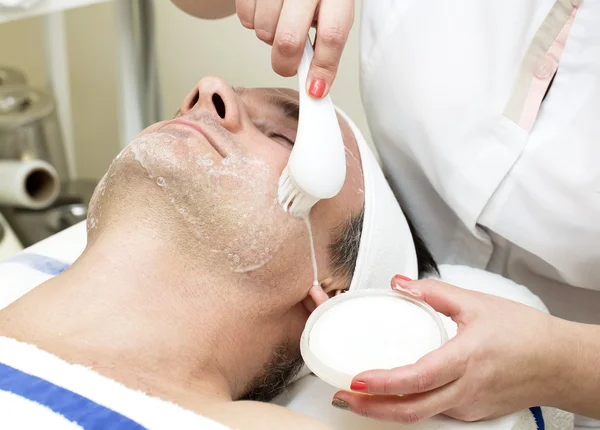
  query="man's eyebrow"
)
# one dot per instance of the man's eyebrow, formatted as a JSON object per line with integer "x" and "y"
{"x": 289, "y": 107}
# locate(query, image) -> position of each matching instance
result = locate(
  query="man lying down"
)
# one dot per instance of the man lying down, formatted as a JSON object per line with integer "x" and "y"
{"x": 186, "y": 308}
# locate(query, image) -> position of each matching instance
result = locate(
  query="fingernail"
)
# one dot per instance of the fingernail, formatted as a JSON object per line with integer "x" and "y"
{"x": 400, "y": 279}
{"x": 317, "y": 88}
{"x": 340, "y": 404}
{"x": 414, "y": 293}
{"x": 358, "y": 386}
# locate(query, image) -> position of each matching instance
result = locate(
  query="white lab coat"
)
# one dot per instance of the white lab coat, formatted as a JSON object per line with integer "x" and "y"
{"x": 491, "y": 175}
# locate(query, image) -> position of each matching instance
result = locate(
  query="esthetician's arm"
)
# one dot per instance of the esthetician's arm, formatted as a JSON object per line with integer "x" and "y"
{"x": 284, "y": 24}
{"x": 506, "y": 357}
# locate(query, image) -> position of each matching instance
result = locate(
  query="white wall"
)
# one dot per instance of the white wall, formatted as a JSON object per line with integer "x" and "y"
{"x": 188, "y": 49}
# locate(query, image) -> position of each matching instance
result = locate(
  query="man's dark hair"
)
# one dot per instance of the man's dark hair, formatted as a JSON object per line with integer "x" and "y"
{"x": 343, "y": 251}
{"x": 425, "y": 261}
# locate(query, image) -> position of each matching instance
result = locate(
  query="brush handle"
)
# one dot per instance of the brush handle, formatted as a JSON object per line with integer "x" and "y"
{"x": 304, "y": 67}
{"x": 309, "y": 104}
{"x": 318, "y": 160}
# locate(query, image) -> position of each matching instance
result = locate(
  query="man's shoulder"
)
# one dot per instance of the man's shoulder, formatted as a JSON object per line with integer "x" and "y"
{"x": 249, "y": 415}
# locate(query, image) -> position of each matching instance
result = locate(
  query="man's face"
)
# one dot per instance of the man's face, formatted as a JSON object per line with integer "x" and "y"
{"x": 208, "y": 179}
{"x": 219, "y": 162}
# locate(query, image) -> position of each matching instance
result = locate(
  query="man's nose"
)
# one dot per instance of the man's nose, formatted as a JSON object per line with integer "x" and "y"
{"x": 214, "y": 95}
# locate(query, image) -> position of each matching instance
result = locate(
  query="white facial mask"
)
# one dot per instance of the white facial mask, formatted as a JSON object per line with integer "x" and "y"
{"x": 229, "y": 203}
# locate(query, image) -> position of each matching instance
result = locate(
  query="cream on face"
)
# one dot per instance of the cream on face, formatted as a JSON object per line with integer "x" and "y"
{"x": 225, "y": 195}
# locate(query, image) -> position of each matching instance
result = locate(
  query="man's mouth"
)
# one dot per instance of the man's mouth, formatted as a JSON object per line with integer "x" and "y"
{"x": 195, "y": 126}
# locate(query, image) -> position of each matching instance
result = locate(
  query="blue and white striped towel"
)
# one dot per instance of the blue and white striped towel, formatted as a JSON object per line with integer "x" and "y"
{"x": 40, "y": 391}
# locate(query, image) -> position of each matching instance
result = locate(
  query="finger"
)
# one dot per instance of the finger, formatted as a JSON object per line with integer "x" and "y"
{"x": 245, "y": 12}
{"x": 444, "y": 298}
{"x": 403, "y": 290}
{"x": 405, "y": 410}
{"x": 309, "y": 304}
{"x": 318, "y": 295}
{"x": 334, "y": 23}
{"x": 434, "y": 370}
{"x": 315, "y": 298}
{"x": 293, "y": 27}
{"x": 266, "y": 17}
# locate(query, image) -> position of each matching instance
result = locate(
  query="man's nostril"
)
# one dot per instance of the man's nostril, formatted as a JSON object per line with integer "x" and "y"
{"x": 219, "y": 105}
{"x": 195, "y": 99}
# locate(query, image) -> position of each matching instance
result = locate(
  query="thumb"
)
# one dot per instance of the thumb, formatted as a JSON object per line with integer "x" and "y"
{"x": 444, "y": 298}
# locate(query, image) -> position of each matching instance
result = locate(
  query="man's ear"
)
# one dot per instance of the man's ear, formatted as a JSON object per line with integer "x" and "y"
{"x": 328, "y": 288}
{"x": 333, "y": 286}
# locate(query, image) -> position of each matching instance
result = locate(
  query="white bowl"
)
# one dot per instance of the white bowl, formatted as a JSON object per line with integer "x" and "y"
{"x": 366, "y": 330}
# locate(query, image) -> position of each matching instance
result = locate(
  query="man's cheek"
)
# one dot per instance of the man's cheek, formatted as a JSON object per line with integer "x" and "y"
{"x": 276, "y": 156}
{"x": 268, "y": 150}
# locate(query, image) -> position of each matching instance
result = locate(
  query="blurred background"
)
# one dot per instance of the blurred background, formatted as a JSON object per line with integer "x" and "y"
{"x": 68, "y": 72}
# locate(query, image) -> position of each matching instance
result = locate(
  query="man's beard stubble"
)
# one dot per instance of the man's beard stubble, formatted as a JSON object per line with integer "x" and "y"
{"x": 284, "y": 365}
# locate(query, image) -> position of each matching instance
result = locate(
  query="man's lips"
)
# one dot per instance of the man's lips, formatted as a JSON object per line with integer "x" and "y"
{"x": 198, "y": 129}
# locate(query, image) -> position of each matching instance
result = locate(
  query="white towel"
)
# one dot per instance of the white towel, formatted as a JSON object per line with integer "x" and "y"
{"x": 40, "y": 391}
{"x": 17, "y": 279}
{"x": 9, "y": 243}
{"x": 386, "y": 244}
{"x": 40, "y": 262}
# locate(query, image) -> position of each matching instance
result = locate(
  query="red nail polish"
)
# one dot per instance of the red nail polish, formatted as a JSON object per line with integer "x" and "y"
{"x": 402, "y": 278}
{"x": 317, "y": 88}
{"x": 358, "y": 386}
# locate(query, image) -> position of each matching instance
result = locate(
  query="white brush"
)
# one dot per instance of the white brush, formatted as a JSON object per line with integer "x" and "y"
{"x": 316, "y": 168}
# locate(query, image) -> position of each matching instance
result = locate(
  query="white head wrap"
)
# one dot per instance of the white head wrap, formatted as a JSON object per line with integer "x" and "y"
{"x": 386, "y": 245}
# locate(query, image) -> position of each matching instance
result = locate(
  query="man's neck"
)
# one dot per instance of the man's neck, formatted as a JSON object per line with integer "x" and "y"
{"x": 150, "y": 322}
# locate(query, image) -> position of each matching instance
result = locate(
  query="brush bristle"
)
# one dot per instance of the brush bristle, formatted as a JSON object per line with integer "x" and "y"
{"x": 293, "y": 200}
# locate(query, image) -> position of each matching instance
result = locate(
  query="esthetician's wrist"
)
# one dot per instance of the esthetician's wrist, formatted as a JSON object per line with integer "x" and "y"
{"x": 578, "y": 376}
{"x": 560, "y": 382}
